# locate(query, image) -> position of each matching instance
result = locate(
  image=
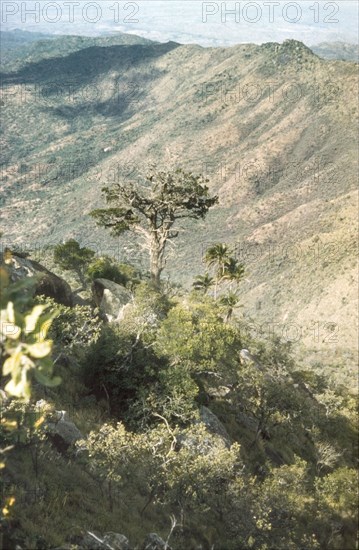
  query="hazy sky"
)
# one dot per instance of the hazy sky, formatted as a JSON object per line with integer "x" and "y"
{"x": 191, "y": 21}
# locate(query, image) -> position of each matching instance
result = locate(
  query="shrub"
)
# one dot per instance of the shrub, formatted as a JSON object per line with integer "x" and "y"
{"x": 105, "y": 268}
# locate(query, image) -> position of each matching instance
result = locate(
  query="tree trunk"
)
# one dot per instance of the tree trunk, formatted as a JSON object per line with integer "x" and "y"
{"x": 156, "y": 259}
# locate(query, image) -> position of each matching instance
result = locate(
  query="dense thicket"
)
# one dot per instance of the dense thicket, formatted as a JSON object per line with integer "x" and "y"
{"x": 245, "y": 449}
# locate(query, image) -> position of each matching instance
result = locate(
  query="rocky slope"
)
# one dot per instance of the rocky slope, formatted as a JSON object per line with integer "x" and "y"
{"x": 274, "y": 129}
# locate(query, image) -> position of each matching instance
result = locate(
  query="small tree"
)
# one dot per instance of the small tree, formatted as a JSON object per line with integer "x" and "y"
{"x": 70, "y": 256}
{"x": 233, "y": 271}
{"x": 230, "y": 302}
{"x": 226, "y": 266}
{"x": 203, "y": 283}
{"x": 152, "y": 208}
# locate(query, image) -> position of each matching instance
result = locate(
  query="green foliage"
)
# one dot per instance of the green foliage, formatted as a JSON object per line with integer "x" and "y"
{"x": 24, "y": 349}
{"x": 286, "y": 481}
{"x": 24, "y": 358}
{"x": 187, "y": 468}
{"x": 152, "y": 209}
{"x": 70, "y": 256}
{"x": 74, "y": 328}
{"x": 194, "y": 333}
{"x": 217, "y": 256}
{"x": 230, "y": 302}
{"x": 203, "y": 282}
{"x": 105, "y": 268}
{"x": 226, "y": 268}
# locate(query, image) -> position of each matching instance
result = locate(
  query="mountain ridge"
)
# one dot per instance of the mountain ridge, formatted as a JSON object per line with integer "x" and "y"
{"x": 271, "y": 126}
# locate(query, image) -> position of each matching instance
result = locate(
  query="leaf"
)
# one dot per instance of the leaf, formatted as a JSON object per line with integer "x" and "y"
{"x": 44, "y": 324}
{"x": 8, "y": 503}
{"x": 10, "y": 312}
{"x": 20, "y": 390}
{"x": 40, "y": 350}
{"x": 45, "y": 380}
{"x": 8, "y": 424}
{"x": 12, "y": 364}
{"x": 9, "y": 330}
{"x": 4, "y": 279}
{"x": 32, "y": 318}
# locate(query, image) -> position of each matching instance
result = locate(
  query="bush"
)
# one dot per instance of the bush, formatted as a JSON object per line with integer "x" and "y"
{"x": 194, "y": 332}
{"x": 105, "y": 268}
{"x": 74, "y": 328}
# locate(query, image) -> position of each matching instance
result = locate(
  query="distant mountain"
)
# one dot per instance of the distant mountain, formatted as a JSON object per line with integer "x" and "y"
{"x": 18, "y": 37}
{"x": 21, "y": 47}
{"x": 273, "y": 127}
{"x": 337, "y": 50}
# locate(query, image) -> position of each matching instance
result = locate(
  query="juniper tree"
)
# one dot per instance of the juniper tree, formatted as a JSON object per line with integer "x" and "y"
{"x": 152, "y": 209}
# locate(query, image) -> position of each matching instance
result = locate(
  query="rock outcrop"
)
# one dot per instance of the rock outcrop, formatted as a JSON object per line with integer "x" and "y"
{"x": 47, "y": 283}
{"x": 111, "y": 298}
{"x": 214, "y": 425}
{"x": 62, "y": 430}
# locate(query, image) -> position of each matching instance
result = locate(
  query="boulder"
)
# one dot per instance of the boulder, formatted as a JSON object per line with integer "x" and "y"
{"x": 111, "y": 298}
{"x": 214, "y": 425}
{"x": 154, "y": 542}
{"x": 47, "y": 283}
{"x": 62, "y": 430}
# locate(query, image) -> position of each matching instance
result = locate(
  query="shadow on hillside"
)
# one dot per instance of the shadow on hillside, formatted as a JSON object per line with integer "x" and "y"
{"x": 83, "y": 66}
{"x": 70, "y": 87}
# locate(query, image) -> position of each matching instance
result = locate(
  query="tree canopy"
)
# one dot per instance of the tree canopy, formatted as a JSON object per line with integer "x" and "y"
{"x": 151, "y": 208}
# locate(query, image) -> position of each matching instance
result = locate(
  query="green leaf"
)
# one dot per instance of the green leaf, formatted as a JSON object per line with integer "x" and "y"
{"x": 9, "y": 330}
{"x": 32, "y": 318}
{"x": 44, "y": 324}
{"x": 10, "y": 312}
{"x": 46, "y": 381}
{"x": 40, "y": 350}
{"x": 20, "y": 389}
{"x": 12, "y": 364}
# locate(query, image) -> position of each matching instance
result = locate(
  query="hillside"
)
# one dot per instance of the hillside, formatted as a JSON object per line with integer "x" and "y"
{"x": 132, "y": 439}
{"x": 207, "y": 400}
{"x": 273, "y": 127}
{"x": 21, "y": 47}
{"x": 337, "y": 50}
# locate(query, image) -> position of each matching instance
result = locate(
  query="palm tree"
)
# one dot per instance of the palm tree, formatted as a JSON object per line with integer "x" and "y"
{"x": 217, "y": 256}
{"x": 233, "y": 271}
{"x": 230, "y": 302}
{"x": 203, "y": 282}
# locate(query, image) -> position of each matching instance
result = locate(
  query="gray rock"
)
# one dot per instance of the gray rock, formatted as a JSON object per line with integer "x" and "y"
{"x": 47, "y": 283}
{"x": 110, "y": 298}
{"x": 62, "y": 430}
{"x": 154, "y": 542}
{"x": 214, "y": 425}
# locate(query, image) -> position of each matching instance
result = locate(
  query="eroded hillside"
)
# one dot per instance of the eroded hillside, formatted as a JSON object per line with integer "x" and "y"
{"x": 273, "y": 127}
